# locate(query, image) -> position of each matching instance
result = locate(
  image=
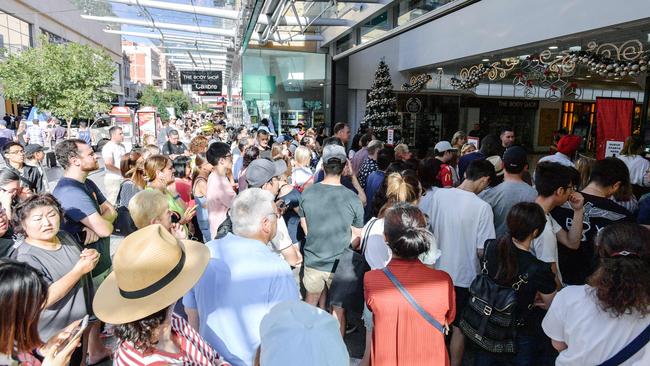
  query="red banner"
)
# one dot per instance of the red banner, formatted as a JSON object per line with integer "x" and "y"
{"x": 613, "y": 122}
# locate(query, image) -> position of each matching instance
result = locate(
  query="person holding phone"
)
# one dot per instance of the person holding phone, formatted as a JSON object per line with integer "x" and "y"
{"x": 25, "y": 288}
{"x": 58, "y": 256}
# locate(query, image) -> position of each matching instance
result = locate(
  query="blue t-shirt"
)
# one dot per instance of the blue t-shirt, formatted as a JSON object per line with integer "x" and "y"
{"x": 242, "y": 282}
{"x": 373, "y": 183}
{"x": 80, "y": 200}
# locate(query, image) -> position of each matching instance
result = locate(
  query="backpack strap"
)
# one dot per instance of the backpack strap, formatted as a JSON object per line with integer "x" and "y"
{"x": 443, "y": 329}
{"x": 630, "y": 350}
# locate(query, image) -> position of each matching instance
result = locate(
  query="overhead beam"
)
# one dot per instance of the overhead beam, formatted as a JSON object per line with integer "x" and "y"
{"x": 287, "y": 37}
{"x": 172, "y": 38}
{"x": 234, "y": 15}
{"x": 174, "y": 26}
{"x": 197, "y": 49}
{"x": 214, "y": 57}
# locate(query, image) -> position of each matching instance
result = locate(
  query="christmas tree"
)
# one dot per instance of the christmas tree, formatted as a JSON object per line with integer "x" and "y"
{"x": 381, "y": 106}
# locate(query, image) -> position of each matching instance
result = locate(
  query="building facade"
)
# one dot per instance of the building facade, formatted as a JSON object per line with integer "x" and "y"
{"x": 23, "y": 21}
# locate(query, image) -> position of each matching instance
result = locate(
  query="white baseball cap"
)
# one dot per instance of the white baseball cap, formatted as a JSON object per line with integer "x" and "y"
{"x": 296, "y": 333}
{"x": 443, "y": 146}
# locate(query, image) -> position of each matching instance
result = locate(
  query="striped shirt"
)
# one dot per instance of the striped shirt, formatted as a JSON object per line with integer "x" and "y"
{"x": 194, "y": 351}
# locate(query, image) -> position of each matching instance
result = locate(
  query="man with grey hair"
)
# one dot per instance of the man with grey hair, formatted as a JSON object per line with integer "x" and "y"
{"x": 243, "y": 280}
{"x": 174, "y": 147}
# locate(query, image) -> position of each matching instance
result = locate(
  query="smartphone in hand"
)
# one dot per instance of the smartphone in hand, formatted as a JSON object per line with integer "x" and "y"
{"x": 75, "y": 334}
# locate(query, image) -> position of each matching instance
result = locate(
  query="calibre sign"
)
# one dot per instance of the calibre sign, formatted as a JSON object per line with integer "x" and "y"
{"x": 203, "y": 80}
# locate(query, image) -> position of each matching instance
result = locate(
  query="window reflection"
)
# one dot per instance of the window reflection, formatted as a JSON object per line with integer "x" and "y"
{"x": 15, "y": 34}
{"x": 374, "y": 28}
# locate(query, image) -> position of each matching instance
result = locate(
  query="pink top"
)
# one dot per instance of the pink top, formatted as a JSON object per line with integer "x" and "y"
{"x": 219, "y": 197}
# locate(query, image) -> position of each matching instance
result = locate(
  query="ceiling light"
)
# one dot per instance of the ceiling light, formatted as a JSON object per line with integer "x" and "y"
{"x": 552, "y": 47}
{"x": 321, "y": 84}
{"x": 523, "y": 56}
{"x": 575, "y": 48}
{"x": 438, "y": 68}
{"x": 485, "y": 60}
{"x": 588, "y": 76}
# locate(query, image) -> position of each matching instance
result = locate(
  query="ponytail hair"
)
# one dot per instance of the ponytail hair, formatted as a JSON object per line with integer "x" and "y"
{"x": 402, "y": 188}
{"x": 405, "y": 231}
{"x": 524, "y": 219}
{"x": 622, "y": 281}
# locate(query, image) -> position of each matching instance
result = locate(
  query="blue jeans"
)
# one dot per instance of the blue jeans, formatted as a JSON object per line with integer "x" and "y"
{"x": 531, "y": 351}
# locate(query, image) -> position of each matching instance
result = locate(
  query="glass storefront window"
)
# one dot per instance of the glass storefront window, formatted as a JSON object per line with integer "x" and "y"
{"x": 408, "y": 10}
{"x": 345, "y": 43}
{"x": 284, "y": 87}
{"x": 15, "y": 34}
{"x": 374, "y": 28}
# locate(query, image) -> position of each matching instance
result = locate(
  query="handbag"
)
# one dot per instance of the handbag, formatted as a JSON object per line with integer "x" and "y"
{"x": 630, "y": 350}
{"x": 490, "y": 319}
{"x": 347, "y": 285}
{"x": 123, "y": 224}
{"x": 436, "y": 324}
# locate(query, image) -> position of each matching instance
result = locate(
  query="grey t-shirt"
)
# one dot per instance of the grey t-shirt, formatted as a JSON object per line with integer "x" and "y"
{"x": 502, "y": 197}
{"x": 54, "y": 264}
{"x": 329, "y": 211}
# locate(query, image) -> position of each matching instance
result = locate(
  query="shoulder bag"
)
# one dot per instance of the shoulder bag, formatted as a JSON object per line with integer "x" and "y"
{"x": 123, "y": 225}
{"x": 444, "y": 329}
{"x": 347, "y": 285}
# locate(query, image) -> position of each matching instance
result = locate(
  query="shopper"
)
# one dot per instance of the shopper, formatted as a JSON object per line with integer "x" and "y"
{"x": 238, "y": 156}
{"x": 11, "y": 191}
{"x": 567, "y": 148}
{"x": 513, "y": 189}
{"x": 6, "y": 235}
{"x": 507, "y": 262}
{"x": 302, "y": 175}
{"x": 342, "y": 132}
{"x": 331, "y": 217}
{"x": 220, "y": 193}
{"x": 35, "y": 134}
{"x": 251, "y": 153}
{"x": 30, "y": 176}
{"x": 376, "y": 180}
{"x": 34, "y": 156}
{"x": 183, "y": 178}
{"x": 6, "y": 135}
{"x": 403, "y": 153}
{"x": 639, "y": 166}
{"x": 112, "y": 153}
{"x": 361, "y": 154}
{"x": 467, "y": 148}
{"x": 132, "y": 170}
{"x": 401, "y": 335}
{"x": 507, "y": 137}
{"x": 462, "y": 223}
{"x": 607, "y": 177}
{"x": 139, "y": 295}
{"x": 202, "y": 169}
{"x": 590, "y": 324}
{"x": 444, "y": 154}
{"x": 173, "y": 147}
{"x": 297, "y": 333}
{"x": 555, "y": 185}
{"x": 83, "y": 133}
{"x": 242, "y": 282}
{"x": 370, "y": 163}
{"x": 63, "y": 263}
{"x": 263, "y": 143}
{"x": 23, "y": 296}
{"x": 458, "y": 140}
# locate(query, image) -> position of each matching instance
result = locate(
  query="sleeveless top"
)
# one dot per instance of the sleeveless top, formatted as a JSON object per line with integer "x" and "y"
{"x": 85, "y": 135}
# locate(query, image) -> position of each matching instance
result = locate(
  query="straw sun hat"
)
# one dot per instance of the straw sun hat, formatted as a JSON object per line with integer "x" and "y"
{"x": 151, "y": 270}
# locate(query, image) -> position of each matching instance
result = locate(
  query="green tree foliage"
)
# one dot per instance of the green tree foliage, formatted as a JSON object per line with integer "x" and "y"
{"x": 69, "y": 80}
{"x": 165, "y": 99}
{"x": 94, "y": 7}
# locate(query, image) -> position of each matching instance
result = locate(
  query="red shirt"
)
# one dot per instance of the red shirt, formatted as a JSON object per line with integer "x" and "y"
{"x": 445, "y": 176}
{"x": 401, "y": 336}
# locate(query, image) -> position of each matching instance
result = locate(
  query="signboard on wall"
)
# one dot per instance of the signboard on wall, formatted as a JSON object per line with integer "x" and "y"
{"x": 206, "y": 81}
{"x": 613, "y": 148}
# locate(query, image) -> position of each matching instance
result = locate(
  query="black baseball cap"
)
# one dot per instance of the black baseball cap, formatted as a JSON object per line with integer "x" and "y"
{"x": 515, "y": 157}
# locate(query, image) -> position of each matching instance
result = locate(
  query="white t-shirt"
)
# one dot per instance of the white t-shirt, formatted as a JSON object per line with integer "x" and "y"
{"x": 638, "y": 167}
{"x": 300, "y": 175}
{"x": 461, "y": 223}
{"x": 377, "y": 252}
{"x": 115, "y": 152}
{"x": 544, "y": 247}
{"x": 558, "y": 157}
{"x": 591, "y": 334}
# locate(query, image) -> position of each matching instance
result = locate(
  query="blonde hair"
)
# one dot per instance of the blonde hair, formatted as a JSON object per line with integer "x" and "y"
{"x": 150, "y": 150}
{"x": 402, "y": 188}
{"x": 457, "y": 136}
{"x": 146, "y": 206}
{"x": 302, "y": 156}
{"x": 153, "y": 165}
{"x": 467, "y": 148}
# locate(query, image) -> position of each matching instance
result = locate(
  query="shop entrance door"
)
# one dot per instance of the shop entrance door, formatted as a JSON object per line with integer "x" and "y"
{"x": 548, "y": 123}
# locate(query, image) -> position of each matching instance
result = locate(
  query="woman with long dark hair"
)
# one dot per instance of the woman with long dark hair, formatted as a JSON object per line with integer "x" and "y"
{"x": 23, "y": 295}
{"x": 590, "y": 324}
{"x": 202, "y": 169}
{"x": 510, "y": 261}
{"x": 251, "y": 153}
{"x": 400, "y": 335}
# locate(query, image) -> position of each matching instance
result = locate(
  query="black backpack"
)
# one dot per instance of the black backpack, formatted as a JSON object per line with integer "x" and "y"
{"x": 490, "y": 319}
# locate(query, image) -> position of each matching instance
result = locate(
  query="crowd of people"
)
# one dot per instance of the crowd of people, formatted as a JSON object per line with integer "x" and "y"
{"x": 239, "y": 246}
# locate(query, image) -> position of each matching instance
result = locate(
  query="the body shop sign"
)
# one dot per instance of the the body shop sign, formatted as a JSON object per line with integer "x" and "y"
{"x": 203, "y": 81}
